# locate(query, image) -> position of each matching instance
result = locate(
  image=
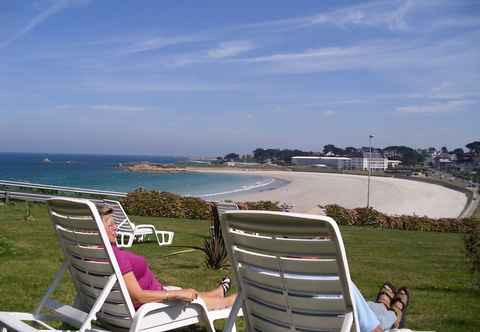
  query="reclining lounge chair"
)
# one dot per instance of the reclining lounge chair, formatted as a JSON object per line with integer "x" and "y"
{"x": 291, "y": 270}
{"x": 102, "y": 300}
{"x": 127, "y": 231}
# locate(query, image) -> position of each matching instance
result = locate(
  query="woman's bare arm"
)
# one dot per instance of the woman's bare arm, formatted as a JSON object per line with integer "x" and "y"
{"x": 140, "y": 295}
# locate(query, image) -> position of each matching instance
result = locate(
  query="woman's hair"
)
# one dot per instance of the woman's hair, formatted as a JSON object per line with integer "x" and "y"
{"x": 105, "y": 210}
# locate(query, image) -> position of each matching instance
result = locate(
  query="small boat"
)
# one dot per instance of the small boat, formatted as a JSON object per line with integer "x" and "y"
{"x": 46, "y": 160}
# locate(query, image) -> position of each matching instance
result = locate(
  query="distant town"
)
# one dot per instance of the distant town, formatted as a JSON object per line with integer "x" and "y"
{"x": 457, "y": 163}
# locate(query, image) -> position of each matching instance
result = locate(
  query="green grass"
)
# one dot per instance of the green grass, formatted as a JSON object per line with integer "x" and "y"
{"x": 432, "y": 265}
{"x": 476, "y": 214}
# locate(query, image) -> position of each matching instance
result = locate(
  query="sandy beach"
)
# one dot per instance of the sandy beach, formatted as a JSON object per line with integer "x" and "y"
{"x": 305, "y": 191}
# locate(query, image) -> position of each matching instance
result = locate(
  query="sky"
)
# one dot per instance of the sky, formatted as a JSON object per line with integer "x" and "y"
{"x": 204, "y": 78}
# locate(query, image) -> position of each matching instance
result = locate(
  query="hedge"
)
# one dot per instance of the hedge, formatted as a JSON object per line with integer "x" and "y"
{"x": 370, "y": 216}
{"x": 164, "y": 204}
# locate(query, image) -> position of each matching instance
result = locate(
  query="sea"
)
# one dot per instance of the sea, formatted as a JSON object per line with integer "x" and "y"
{"x": 102, "y": 172}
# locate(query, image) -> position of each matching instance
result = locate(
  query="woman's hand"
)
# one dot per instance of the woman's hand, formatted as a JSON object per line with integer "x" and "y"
{"x": 187, "y": 294}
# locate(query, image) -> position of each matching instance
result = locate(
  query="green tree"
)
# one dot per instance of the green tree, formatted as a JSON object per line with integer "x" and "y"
{"x": 459, "y": 153}
{"x": 474, "y": 147}
{"x": 408, "y": 156}
{"x": 232, "y": 157}
{"x": 333, "y": 149}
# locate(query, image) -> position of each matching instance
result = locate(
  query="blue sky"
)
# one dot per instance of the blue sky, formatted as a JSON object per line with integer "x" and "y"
{"x": 211, "y": 77}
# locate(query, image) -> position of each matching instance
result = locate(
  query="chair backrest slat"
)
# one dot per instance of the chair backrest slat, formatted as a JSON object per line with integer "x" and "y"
{"x": 86, "y": 252}
{"x": 79, "y": 237}
{"x": 86, "y": 247}
{"x": 291, "y": 269}
{"x": 119, "y": 216}
{"x": 295, "y": 247}
{"x": 223, "y": 206}
{"x": 92, "y": 280}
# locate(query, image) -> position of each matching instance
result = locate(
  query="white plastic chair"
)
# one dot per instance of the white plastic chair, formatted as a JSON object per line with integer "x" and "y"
{"x": 223, "y": 206}
{"x": 128, "y": 231}
{"x": 102, "y": 295}
{"x": 291, "y": 270}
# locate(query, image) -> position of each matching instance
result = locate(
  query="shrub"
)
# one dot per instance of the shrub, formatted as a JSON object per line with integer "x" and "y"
{"x": 341, "y": 215}
{"x": 261, "y": 205}
{"x": 370, "y": 216}
{"x": 164, "y": 204}
{"x": 216, "y": 255}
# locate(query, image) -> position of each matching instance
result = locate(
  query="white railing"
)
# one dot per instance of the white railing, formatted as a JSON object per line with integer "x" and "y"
{"x": 20, "y": 190}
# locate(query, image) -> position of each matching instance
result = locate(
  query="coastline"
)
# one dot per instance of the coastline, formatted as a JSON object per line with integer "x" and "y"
{"x": 306, "y": 190}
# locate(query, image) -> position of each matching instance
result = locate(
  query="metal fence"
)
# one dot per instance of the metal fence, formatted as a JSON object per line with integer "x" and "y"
{"x": 39, "y": 192}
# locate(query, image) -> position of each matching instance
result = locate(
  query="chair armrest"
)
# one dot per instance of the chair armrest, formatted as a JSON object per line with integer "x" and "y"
{"x": 152, "y": 307}
{"x": 145, "y": 226}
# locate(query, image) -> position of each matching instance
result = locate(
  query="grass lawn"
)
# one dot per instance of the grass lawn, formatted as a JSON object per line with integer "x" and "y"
{"x": 432, "y": 265}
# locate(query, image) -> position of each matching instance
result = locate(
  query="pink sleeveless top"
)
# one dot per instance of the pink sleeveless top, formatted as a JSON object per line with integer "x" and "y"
{"x": 130, "y": 262}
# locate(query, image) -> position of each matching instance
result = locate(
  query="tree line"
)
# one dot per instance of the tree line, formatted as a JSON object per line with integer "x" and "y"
{"x": 407, "y": 155}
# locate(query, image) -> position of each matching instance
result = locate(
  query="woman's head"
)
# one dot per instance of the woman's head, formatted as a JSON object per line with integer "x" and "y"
{"x": 107, "y": 217}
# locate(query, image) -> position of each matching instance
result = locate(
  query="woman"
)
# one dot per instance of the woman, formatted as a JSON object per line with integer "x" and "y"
{"x": 387, "y": 311}
{"x": 142, "y": 284}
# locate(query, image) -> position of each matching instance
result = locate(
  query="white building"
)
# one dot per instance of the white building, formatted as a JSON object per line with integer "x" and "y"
{"x": 377, "y": 162}
{"x": 306, "y": 160}
{"x": 330, "y": 162}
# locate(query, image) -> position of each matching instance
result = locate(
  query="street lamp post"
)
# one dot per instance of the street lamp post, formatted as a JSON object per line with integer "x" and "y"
{"x": 369, "y": 169}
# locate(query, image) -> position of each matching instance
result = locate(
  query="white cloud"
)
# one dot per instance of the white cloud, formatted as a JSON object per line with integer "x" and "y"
{"x": 328, "y": 113}
{"x": 120, "y": 108}
{"x": 388, "y": 13}
{"x": 446, "y": 107}
{"x": 391, "y": 14}
{"x": 102, "y": 107}
{"x": 146, "y": 87}
{"x": 161, "y": 42}
{"x": 328, "y": 52}
{"x": 230, "y": 49}
{"x": 376, "y": 56}
{"x": 55, "y": 8}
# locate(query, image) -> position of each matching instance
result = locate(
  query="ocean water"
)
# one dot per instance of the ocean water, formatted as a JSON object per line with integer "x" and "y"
{"x": 101, "y": 172}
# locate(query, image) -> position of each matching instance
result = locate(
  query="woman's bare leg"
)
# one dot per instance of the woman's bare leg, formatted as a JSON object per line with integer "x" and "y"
{"x": 216, "y": 302}
{"x": 217, "y": 292}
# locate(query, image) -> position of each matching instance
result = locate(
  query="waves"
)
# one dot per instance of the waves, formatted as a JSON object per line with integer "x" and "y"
{"x": 256, "y": 186}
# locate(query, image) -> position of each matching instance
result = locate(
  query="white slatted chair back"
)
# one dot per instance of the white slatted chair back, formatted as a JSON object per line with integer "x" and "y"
{"x": 120, "y": 217}
{"x": 92, "y": 263}
{"x": 223, "y": 206}
{"x": 292, "y": 271}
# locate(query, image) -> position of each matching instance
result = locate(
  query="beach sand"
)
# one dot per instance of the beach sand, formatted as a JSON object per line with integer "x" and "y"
{"x": 305, "y": 191}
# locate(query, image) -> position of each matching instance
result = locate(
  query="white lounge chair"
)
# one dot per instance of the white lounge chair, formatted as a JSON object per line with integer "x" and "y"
{"x": 223, "y": 206}
{"x": 292, "y": 272}
{"x": 102, "y": 295}
{"x": 128, "y": 231}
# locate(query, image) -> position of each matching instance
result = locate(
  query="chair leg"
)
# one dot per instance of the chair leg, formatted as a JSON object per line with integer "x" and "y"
{"x": 230, "y": 326}
{"x": 131, "y": 237}
{"x": 158, "y": 240}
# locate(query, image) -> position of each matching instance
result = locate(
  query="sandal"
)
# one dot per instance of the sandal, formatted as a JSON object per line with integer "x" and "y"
{"x": 386, "y": 294}
{"x": 225, "y": 283}
{"x": 399, "y": 305}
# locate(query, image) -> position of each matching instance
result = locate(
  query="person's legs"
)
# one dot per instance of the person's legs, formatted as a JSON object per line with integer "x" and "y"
{"x": 386, "y": 317}
{"x": 217, "y": 292}
{"x": 216, "y": 302}
{"x": 367, "y": 319}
